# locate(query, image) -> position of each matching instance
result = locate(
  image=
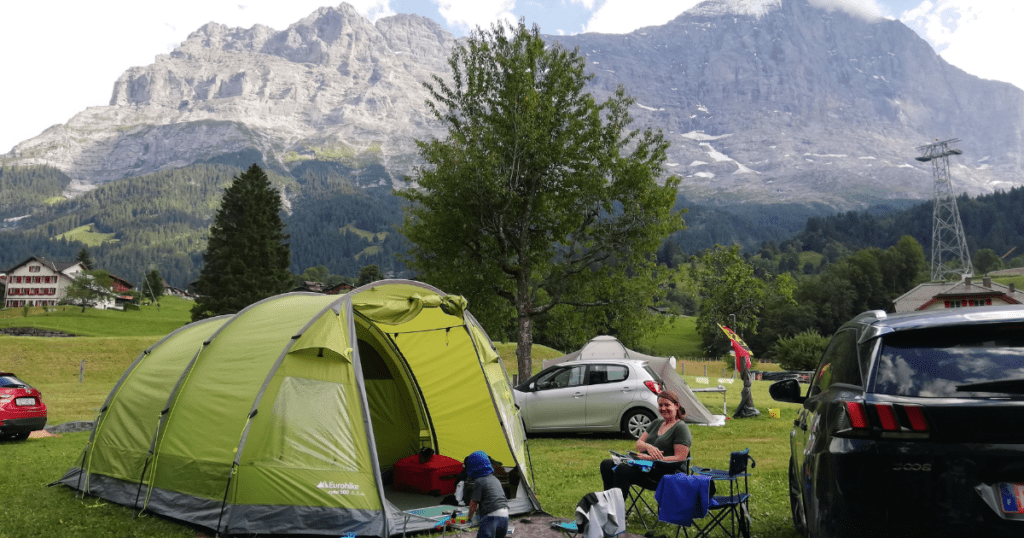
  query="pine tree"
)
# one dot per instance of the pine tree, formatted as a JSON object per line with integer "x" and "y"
{"x": 247, "y": 256}
{"x": 83, "y": 256}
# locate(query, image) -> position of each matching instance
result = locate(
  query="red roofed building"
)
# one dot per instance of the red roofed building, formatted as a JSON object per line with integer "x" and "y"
{"x": 966, "y": 294}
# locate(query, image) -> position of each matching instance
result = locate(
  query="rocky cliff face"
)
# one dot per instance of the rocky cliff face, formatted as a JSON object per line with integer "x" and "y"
{"x": 332, "y": 84}
{"x": 768, "y": 100}
{"x": 781, "y": 100}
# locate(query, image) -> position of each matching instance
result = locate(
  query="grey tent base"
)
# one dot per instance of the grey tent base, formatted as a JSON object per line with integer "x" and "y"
{"x": 262, "y": 519}
{"x": 237, "y": 519}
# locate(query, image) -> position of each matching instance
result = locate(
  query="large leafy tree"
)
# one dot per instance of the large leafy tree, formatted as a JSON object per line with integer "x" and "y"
{"x": 730, "y": 294}
{"x": 369, "y": 273}
{"x": 88, "y": 288}
{"x": 539, "y": 197}
{"x": 247, "y": 256}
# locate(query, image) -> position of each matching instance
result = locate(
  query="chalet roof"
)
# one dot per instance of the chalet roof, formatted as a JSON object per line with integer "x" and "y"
{"x": 924, "y": 293}
{"x": 123, "y": 281}
{"x": 56, "y": 267}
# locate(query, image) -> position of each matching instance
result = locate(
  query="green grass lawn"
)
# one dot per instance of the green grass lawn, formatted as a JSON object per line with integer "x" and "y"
{"x": 87, "y": 235}
{"x": 565, "y": 467}
{"x": 172, "y": 313}
{"x": 679, "y": 340}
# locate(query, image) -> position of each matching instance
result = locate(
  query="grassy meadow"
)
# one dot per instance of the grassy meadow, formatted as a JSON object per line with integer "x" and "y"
{"x": 565, "y": 467}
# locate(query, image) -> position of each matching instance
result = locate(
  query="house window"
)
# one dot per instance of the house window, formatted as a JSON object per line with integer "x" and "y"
{"x": 16, "y": 280}
{"x": 33, "y": 268}
{"x": 38, "y": 280}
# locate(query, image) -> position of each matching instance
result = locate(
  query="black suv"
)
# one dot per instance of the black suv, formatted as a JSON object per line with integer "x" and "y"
{"x": 913, "y": 425}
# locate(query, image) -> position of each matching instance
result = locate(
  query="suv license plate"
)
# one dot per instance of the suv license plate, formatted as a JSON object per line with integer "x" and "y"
{"x": 25, "y": 401}
{"x": 1012, "y": 497}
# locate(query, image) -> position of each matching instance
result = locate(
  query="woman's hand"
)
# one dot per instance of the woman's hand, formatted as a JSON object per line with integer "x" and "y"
{"x": 655, "y": 453}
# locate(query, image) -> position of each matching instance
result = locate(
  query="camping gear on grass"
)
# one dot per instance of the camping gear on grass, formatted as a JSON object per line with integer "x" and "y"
{"x": 286, "y": 417}
{"x": 435, "y": 476}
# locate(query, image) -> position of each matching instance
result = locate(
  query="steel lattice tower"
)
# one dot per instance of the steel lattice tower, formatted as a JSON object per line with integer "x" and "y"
{"x": 950, "y": 257}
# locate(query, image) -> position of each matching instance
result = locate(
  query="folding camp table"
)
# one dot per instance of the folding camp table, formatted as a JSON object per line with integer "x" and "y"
{"x": 720, "y": 388}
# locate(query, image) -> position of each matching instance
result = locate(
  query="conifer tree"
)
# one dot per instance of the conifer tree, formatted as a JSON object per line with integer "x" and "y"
{"x": 247, "y": 256}
{"x": 83, "y": 256}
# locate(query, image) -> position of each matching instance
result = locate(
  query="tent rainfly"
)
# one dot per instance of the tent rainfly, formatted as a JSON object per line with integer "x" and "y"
{"x": 288, "y": 417}
{"x": 609, "y": 347}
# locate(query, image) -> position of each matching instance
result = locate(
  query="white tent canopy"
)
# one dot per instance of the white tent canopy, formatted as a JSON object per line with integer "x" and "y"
{"x": 609, "y": 347}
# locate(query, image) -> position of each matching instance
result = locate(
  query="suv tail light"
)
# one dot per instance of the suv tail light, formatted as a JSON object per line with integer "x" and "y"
{"x": 655, "y": 388}
{"x": 916, "y": 416}
{"x": 890, "y": 419}
{"x": 858, "y": 417}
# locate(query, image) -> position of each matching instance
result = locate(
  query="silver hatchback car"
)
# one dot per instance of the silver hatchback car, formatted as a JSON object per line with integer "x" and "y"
{"x": 590, "y": 396}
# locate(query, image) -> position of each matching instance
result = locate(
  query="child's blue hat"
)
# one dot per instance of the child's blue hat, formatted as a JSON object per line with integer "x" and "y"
{"x": 478, "y": 464}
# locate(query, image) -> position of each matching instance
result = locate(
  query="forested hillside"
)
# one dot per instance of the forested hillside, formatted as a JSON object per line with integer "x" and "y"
{"x": 161, "y": 220}
{"x": 994, "y": 221}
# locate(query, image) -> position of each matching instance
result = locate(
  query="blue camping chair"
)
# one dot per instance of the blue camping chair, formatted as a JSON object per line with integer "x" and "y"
{"x": 729, "y": 512}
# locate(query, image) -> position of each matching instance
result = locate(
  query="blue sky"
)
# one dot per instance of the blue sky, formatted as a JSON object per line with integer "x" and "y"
{"x": 61, "y": 56}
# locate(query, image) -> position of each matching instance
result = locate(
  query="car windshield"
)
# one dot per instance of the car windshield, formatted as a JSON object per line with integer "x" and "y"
{"x": 11, "y": 382}
{"x": 952, "y": 362}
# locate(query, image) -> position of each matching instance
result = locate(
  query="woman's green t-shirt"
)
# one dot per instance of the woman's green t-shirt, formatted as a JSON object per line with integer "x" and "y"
{"x": 678, "y": 434}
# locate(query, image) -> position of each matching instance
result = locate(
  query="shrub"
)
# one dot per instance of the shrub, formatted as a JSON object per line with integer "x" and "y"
{"x": 800, "y": 351}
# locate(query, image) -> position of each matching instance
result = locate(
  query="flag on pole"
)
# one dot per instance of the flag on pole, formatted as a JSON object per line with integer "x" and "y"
{"x": 739, "y": 346}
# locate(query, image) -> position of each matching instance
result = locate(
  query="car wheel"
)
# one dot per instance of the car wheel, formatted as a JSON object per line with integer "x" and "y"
{"x": 796, "y": 502}
{"x": 636, "y": 422}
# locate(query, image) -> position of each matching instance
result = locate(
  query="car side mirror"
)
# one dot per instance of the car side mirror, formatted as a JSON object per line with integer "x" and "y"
{"x": 531, "y": 387}
{"x": 787, "y": 390}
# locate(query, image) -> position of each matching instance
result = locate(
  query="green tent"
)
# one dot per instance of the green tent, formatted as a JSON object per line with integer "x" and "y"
{"x": 288, "y": 417}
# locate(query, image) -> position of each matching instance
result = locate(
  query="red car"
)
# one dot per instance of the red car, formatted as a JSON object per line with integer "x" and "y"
{"x": 22, "y": 410}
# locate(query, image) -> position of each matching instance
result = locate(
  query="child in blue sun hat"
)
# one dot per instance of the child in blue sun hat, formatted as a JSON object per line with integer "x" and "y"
{"x": 488, "y": 498}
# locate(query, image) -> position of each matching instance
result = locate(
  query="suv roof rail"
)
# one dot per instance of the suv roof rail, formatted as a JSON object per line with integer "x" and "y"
{"x": 872, "y": 314}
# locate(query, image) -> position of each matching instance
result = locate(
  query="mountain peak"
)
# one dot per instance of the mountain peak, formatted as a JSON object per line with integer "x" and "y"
{"x": 761, "y": 101}
{"x": 717, "y": 8}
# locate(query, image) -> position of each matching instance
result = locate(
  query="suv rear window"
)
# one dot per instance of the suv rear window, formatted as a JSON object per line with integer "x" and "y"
{"x": 932, "y": 363}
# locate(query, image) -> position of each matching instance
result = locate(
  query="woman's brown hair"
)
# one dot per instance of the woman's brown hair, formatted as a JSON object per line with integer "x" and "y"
{"x": 671, "y": 396}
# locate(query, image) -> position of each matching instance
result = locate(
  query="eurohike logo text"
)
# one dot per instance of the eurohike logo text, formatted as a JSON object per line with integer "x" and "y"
{"x": 347, "y": 488}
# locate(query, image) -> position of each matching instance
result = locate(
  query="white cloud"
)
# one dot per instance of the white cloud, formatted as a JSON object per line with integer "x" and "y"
{"x": 468, "y": 14}
{"x": 624, "y": 16}
{"x": 981, "y": 37}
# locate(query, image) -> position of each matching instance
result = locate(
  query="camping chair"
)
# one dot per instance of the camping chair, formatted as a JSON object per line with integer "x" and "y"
{"x": 601, "y": 514}
{"x": 636, "y": 498}
{"x": 735, "y": 505}
{"x": 682, "y": 499}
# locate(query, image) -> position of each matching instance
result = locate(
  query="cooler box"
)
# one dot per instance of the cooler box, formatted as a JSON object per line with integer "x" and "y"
{"x": 435, "y": 477}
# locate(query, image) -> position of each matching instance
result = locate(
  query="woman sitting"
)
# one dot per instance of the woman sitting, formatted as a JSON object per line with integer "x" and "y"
{"x": 667, "y": 442}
